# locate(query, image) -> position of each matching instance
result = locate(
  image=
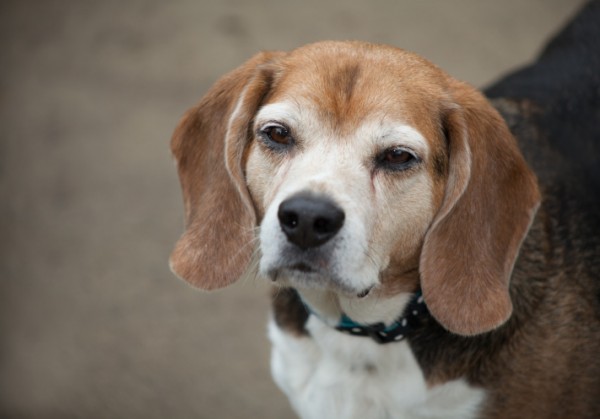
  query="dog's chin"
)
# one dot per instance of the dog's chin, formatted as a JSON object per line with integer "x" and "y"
{"x": 302, "y": 275}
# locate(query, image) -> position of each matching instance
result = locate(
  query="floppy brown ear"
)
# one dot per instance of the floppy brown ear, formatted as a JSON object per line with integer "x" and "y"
{"x": 490, "y": 200}
{"x": 208, "y": 146}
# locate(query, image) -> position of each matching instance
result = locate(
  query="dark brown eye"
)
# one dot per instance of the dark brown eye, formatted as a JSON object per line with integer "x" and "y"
{"x": 396, "y": 158}
{"x": 277, "y": 135}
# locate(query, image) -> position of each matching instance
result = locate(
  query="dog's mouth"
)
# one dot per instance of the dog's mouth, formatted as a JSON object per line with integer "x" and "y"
{"x": 303, "y": 267}
{"x": 365, "y": 292}
{"x": 305, "y": 275}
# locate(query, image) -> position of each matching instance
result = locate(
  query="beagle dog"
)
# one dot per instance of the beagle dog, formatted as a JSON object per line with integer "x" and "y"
{"x": 393, "y": 211}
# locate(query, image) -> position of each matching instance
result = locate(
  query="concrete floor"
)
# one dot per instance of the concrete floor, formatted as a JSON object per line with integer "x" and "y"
{"x": 92, "y": 323}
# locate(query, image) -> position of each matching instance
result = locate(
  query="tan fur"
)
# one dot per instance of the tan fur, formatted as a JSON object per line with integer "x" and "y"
{"x": 491, "y": 198}
{"x": 209, "y": 147}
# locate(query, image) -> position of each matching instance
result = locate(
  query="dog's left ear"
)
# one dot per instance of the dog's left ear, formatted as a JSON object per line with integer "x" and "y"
{"x": 490, "y": 200}
{"x": 209, "y": 146}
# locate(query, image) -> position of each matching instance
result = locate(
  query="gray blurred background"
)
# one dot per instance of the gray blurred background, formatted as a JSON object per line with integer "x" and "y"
{"x": 92, "y": 323}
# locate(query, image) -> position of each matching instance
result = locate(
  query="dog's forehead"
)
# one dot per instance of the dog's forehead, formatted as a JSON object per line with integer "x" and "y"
{"x": 345, "y": 83}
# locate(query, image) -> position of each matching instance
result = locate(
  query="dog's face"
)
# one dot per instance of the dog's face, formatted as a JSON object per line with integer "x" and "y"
{"x": 345, "y": 175}
{"x": 365, "y": 169}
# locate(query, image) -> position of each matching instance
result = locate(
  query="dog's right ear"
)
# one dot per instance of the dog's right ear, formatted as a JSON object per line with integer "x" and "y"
{"x": 209, "y": 145}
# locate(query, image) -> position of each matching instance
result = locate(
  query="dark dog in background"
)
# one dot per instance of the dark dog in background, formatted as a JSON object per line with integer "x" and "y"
{"x": 528, "y": 350}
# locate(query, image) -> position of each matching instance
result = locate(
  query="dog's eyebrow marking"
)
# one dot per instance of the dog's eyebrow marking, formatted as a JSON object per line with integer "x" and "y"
{"x": 405, "y": 135}
{"x": 280, "y": 111}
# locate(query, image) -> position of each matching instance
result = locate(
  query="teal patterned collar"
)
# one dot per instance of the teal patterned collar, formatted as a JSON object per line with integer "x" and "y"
{"x": 379, "y": 332}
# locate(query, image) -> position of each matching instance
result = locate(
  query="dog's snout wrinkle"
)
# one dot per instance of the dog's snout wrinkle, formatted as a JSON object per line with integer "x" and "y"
{"x": 309, "y": 221}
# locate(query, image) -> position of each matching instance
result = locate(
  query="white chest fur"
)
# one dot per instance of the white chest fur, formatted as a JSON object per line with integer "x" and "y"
{"x": 331, "y": 375}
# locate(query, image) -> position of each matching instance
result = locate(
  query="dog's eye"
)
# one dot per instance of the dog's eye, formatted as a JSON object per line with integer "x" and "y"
{"x": 396, "y": 158}
{"x": 276, "y": 135}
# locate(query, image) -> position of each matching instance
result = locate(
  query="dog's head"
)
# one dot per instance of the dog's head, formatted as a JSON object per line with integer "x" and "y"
{"x": 355, "y": 167}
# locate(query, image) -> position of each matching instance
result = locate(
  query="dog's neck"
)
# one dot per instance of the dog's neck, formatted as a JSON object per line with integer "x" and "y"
{"x": 330, "y": 306}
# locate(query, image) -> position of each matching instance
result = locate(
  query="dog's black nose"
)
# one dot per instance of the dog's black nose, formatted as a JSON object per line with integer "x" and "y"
{"x": 309, "y": 220}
